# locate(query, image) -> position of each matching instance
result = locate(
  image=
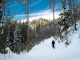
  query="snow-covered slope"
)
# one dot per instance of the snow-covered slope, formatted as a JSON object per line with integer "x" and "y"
{"x": 44, "y": 50}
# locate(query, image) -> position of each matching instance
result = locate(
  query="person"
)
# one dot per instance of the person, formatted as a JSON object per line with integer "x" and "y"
{"x": 53, "y": 44}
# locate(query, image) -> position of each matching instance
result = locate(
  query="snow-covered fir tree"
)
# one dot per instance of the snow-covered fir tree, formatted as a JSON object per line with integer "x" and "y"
{"x": 16, "y": 35}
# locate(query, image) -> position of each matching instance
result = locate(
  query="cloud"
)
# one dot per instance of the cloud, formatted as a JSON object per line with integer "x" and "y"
{"x": 35, "y": 3}
{"x": 48, "y": 14}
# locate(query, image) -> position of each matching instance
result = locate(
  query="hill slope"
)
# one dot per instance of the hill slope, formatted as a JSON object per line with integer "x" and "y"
{"x": 44, "y": 50}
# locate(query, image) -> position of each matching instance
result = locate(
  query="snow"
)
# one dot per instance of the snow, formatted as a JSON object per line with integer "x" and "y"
{"x": 44, "y": 50}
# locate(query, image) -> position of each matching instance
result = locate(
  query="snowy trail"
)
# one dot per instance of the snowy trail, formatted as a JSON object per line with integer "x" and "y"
{"x": 61, "y": 52}
{"x": 44, "y": 51}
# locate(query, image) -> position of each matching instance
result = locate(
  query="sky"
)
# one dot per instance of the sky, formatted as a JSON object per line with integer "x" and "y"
{"x": 37, "y": 8}
{"x": 34, "y": 6}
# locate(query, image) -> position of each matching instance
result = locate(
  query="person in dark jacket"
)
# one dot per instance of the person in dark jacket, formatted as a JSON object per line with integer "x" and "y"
{"x": 53, "y": 44}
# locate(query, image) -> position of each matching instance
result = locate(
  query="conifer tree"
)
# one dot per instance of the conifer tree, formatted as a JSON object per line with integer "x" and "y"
{"x": 65, "y": 16}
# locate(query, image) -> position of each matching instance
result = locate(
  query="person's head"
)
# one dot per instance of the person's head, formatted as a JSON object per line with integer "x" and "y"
{"x": 53, "y": 40}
